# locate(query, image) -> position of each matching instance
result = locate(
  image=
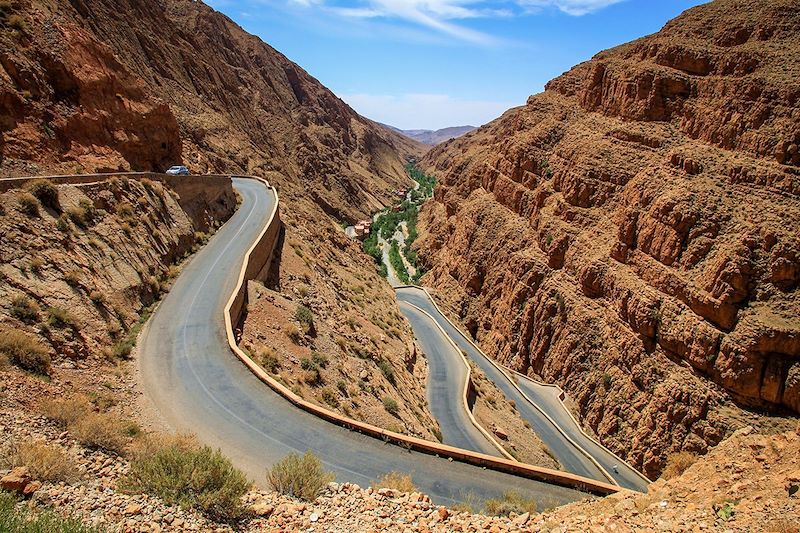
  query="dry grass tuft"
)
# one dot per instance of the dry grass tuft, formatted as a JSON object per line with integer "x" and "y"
{"x": 299, "y": 476}
{"x": 677, "y": 464}
{"x": 66, "y": 412}
{"x": 24, "y": 351}
{"x": 510, "y": 502}
{"x": 45, "y": 462}
{"x": 101, "y": 430}
{"x": 397, "y": 481}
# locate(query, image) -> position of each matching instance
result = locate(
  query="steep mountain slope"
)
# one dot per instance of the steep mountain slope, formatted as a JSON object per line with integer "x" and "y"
{"x": 633, "y": 232}
{"x": 140, "y": 85}
{"x": 105, "y": 85}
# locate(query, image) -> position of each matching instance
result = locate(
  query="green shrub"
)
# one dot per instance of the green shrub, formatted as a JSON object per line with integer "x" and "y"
{"x": 58, "y": 317}
{"x": 390, "y": 404}
{"x": 510, "y": 502}
{"x": 304, "y": 315}
{"x": 308, "y": 364}
{"x": 268, "y": 359}
{"x": 330, "y": 397}
{"x": 319, "y": 359}
{"x": 62, "y": 223}
{"x": 299, "y": 476}
{"x": 46, "y": 193}
{"x": 24, "y": 309}
{"x": 25, "y": 351}
{"x": 387, "y": 369}
{"x": 181, "y": 472}
{"x": 28, "y": 204}
{"x": 21, "y": 519}
{"x": 124, "y": 348}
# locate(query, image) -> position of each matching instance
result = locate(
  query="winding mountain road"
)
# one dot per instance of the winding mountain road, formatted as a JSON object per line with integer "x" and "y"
{"x": 447, "y": 376}
{"x": 540, "y": 406}
{"x": 191, "y": 376}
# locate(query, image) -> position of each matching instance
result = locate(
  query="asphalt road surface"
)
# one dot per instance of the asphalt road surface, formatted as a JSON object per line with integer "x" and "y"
{"x": 199, "y": 386}
{"x": 572, "y": 459}
{"x": 447, "y": 376}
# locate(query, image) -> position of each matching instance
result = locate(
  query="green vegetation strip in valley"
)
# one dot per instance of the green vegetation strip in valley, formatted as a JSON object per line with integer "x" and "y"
{"x": 387, "y": 223}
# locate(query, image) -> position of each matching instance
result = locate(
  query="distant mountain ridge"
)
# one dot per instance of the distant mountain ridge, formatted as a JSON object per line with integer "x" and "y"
{"x": 434, "y": 137}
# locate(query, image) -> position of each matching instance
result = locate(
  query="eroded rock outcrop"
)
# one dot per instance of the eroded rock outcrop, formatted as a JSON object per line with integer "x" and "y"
{"x": 632, "y": 232}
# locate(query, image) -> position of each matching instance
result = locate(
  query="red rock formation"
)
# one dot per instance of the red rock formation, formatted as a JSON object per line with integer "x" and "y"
{"x": 102, "y": 85}
{"x": 633, "y": 232}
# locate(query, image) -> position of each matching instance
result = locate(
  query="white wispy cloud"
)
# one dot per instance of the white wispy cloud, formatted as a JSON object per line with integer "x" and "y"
{"x": 571, "y": 7}
{"x": 425, "y": 111}
{"x": 447, "y": 16}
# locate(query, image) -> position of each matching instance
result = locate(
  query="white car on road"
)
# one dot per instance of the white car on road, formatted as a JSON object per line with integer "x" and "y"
{"x": 178, "y": 170}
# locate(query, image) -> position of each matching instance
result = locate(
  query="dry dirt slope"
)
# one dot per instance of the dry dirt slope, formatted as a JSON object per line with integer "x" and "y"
{"x": 88, "y": 86}
{"x": 632, "y": 232}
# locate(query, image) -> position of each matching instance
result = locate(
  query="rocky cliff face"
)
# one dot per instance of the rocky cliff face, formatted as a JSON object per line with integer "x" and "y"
{"x": 77, "y": 273}
{"x": 101, "y": 85}
{"x": 632, "y": 232}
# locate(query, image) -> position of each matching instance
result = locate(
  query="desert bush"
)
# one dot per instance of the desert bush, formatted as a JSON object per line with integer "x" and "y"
{"x": 45, "y": 462}
{"x": 62, "y": 224}
{"x": 66, "y": 411}
{"x": 390, "y": 404}
{"x": 299, "y": 476}
{"x": 24, "y": 309}
{"x": 330, "y": 397}
{"x": 268, "y": 359}
{"x": 36, "y": 264}
{"x": 293, "y": 333}
{"x": 18, "y": 22}
{"x": 125, "y": 211}
{"x": 124, "y": 348}
{"x": 21, "y": 519}
{"x": 59, "y": 317}
{"x": 387, "y": 369}
{"x": 181, "y": 472}
{"x": 308, "y": 364}
{"x": 319, "y": 359}
{"x": 677, "y": 463}
{"x": 73, "y": 277}
{"x": 28, "y": 204}
{"x": 24, "y": 351}
{"x": 97, "y": 297}
{"x": 304, "y": 315}
{"x": 312, "y": 376}
{"x": 46, "y": 193}
{"x": 510, "y": 502}
{"x": 81, "y": 215}
{"x": 100, "y": 430}
{"x": 396, "y": 481}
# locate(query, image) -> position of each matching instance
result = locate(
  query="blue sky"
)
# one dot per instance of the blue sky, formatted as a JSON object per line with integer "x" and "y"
{"x": 436, "y": 63}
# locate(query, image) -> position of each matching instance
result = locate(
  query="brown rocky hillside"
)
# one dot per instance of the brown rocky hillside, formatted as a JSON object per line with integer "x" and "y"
{"x": 91, "y": 86}
{"x": 633, "y": 233}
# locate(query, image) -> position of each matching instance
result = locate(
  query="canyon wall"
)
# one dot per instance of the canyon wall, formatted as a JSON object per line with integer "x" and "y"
{"x": 77, "y": 272}
{"x": 633, "y": 233}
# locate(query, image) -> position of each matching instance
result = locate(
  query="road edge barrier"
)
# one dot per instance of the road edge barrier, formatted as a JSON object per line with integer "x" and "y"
{"x": 467, "y": 385}
{"x": 561, "y": 395}
{"x": 478, "y": 459}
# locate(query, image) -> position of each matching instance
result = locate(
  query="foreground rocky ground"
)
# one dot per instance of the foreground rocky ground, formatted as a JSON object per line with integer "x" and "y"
{"x": 748, "y": 483}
